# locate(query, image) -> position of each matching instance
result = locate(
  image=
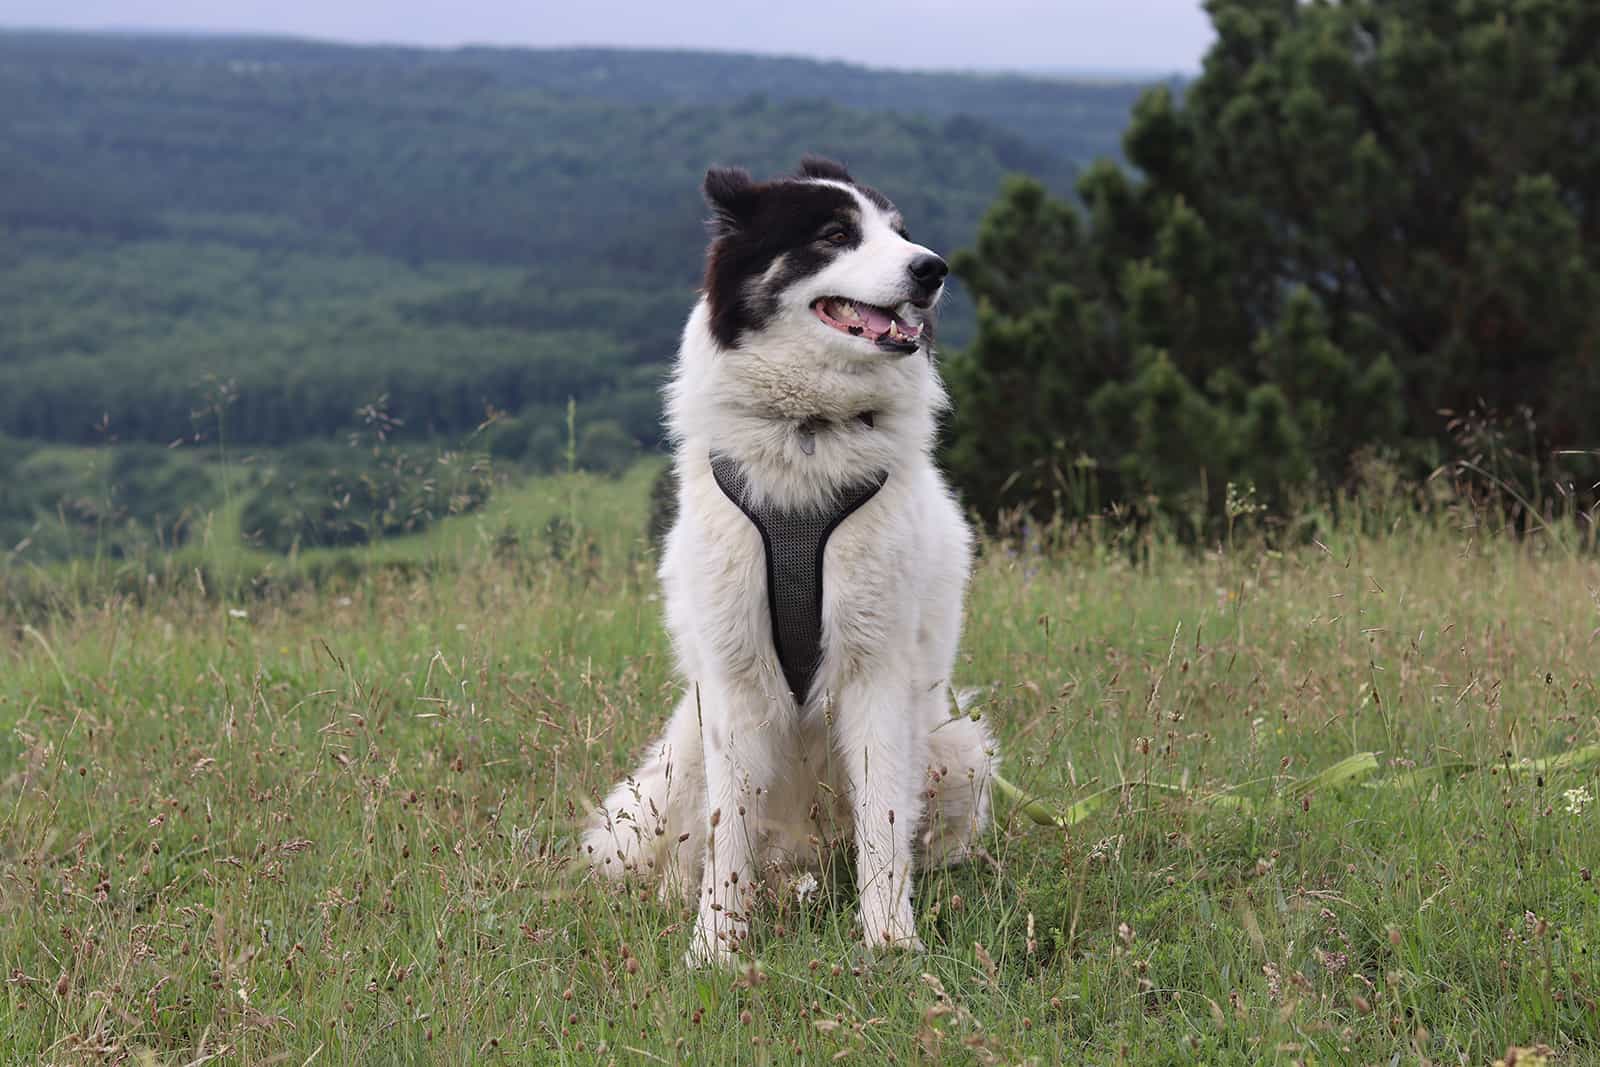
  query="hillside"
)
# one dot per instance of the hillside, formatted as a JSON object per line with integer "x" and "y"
{"x": 252, "y": 209}
{"x": 258, "y": 240}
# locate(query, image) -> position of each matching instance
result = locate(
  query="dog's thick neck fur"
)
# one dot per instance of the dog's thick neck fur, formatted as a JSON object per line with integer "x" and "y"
{"x": 754, "y": 404}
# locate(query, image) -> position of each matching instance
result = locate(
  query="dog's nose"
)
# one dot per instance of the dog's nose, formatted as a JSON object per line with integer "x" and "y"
{"x": 928, "y": 272}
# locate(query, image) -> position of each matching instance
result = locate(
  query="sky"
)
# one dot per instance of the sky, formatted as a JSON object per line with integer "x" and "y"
{"x": 1159, "y": 36}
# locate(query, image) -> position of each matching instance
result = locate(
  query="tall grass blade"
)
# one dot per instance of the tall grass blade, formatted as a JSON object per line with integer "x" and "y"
{"x": 1349, "y": 769}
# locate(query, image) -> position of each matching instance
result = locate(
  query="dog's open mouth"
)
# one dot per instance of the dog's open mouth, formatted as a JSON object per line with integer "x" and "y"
{"x": 879, "y": 325}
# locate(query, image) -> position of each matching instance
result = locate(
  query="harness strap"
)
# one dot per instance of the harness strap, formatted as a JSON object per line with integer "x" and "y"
{"x": 794, "y": 542}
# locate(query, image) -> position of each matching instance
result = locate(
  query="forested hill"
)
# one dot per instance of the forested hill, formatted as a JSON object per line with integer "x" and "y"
{"x": 1078, "y": 120}
{"x": 322, "y": 225}
{"x": 1074, "y": 118}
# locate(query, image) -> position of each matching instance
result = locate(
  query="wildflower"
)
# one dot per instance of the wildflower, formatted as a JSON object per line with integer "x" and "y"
{"x": 1577, "y": 800}
{"x": 804, "y": 886}
{"x": 238, "y": 613}
{"x": 1335, "y": 963}
{"x": 1107, "y": 848}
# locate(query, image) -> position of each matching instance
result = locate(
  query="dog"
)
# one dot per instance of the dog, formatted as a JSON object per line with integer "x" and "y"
{"x": 806, "y": 378}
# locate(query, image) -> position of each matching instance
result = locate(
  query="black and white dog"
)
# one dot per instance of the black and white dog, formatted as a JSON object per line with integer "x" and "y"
{"x": 818, "y": 686}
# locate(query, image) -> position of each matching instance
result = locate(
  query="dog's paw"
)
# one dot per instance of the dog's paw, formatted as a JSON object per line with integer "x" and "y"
{"x": 888, "y": 942}
{"x": 895, "y": 931}
{"x": 702, "y": 955}
{"x": 715, "y": 941}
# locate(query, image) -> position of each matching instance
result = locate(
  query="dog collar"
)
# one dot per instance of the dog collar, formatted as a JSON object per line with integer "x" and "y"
{"x": 794, "y": 541}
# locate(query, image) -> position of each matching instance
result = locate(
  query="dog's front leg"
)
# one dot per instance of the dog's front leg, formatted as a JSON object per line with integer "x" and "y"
{"x": 879, "y": 743}
{"x": 739, "y": 763}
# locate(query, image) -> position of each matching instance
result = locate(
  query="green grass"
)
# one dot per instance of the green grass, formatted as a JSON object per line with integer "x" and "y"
{"x": 336, "y": 825}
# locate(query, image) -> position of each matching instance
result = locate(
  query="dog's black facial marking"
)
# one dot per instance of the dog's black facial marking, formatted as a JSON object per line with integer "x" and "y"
{"x": 821, "y": 167}
{"x": 774, "y": 235}
{"x": 875, "y": 198}
{"x": 731, "y": 194}
{"x": 829, "y": 170}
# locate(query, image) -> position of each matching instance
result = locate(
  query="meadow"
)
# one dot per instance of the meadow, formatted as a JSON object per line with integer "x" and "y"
{"x": 333, "y": 821}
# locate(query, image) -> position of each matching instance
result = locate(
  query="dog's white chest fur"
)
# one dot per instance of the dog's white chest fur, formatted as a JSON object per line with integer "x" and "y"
{"x": 743, "y": 785}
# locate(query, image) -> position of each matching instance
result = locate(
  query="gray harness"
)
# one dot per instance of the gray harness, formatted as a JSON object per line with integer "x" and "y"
{"x": 794, "y": 542}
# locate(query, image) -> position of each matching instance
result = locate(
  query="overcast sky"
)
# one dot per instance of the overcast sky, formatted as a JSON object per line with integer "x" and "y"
{"x": 1094, "y": 35}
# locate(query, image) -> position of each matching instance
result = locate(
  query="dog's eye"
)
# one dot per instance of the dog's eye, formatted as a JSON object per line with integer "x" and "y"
{"x": 835, "y": 235}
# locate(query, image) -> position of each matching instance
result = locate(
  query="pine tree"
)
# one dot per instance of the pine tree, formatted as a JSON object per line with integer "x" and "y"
{"x": 1361, "y": 218}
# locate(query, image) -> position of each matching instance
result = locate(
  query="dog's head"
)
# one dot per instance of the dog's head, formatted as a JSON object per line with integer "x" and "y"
{"x": 816, "y": 258}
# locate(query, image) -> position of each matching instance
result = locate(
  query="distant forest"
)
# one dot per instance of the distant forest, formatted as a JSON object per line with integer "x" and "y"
{"x": 314, "y": 228}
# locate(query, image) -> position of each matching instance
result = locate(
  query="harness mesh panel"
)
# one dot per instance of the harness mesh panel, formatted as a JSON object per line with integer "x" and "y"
{"x": 794, "y": 543}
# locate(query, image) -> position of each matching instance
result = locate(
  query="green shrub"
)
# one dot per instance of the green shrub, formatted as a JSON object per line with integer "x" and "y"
{"x": 508, "y": 438}
{"x": 606, "y": 448}
{"x": 547, "y": 446}
{"x": 355, "y": 499}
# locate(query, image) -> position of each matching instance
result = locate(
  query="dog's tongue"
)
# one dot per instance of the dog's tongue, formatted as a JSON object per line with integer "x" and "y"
{"x": 876, "y": 319}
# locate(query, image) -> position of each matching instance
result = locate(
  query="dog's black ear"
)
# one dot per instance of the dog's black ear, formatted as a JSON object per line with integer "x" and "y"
{"x": 822, "y": 167}
{"x": 731, "y": 194}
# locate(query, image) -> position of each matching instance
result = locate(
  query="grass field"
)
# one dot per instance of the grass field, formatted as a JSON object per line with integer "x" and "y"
{"x": 335, "y": 824}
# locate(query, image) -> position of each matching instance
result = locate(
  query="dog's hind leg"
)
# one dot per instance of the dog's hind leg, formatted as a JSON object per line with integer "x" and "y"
{"x": 962, "y": 761}
{"x": 638, "y": 829}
